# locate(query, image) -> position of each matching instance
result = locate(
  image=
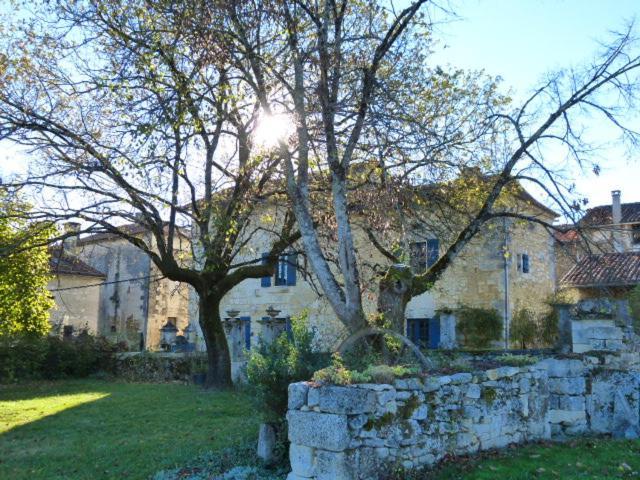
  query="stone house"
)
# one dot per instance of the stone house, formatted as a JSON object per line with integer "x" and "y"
{"x": 499, "y": 269}
{"x": 601, "y": 256}
{"x": 135, "y": 301}
{"x": 75, "y": 288}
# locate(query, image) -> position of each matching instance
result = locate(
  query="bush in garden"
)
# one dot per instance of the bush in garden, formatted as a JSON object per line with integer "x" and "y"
{"x": 548, "y": 326}
{"x": 36, "y": 357}
{"x": 479, "y": 326}
{"x": 272, "y": 367}
{"x": 524, "y": 328}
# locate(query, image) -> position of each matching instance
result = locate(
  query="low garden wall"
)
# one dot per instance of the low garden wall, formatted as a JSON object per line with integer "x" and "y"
{"x": 359, "y": 431}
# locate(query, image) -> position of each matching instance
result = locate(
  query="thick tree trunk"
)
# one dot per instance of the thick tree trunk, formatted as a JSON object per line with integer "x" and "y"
{"x": 394, "y": 294}
{"x": 219, "y": 361}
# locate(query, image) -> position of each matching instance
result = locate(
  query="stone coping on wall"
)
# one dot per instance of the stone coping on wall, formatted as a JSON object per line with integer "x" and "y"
{"x": 359, "y": 431}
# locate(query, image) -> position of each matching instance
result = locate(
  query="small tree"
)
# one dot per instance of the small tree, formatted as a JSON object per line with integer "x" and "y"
{"x": 524, "y": 328}
{"x": 479, "y": 326}
{"x": 24, "y": 298}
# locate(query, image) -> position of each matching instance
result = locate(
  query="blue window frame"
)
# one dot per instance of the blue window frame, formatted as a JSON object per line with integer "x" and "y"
{"x": 424, "y": 332}
{"x": 286, "y": 270}
{"x": 523, "y": 263}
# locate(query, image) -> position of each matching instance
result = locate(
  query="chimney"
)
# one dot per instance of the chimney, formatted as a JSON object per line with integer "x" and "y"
{"x": 616, "y": 219}
{"x": 616, "y": 207}
{"x": 69, "y": 243}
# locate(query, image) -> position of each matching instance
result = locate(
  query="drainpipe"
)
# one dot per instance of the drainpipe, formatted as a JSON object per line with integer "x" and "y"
{"x": 505, "y": 256}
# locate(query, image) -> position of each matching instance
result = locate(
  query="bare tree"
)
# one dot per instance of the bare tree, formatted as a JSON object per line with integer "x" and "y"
{"x": 133, "y": 115}
{"x": 354, "y": 78}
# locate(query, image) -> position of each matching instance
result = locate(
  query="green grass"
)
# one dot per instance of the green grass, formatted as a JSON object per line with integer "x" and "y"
{"x": 592, "y": 459}
{"x": 101, "y": 430}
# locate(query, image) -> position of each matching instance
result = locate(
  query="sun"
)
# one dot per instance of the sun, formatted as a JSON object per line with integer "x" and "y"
{"x": 271, "y": 129}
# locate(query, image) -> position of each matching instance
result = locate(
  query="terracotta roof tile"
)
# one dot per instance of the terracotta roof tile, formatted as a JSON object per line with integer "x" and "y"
{"x": 605, "y": 270}
{"x": 602, "y": 215}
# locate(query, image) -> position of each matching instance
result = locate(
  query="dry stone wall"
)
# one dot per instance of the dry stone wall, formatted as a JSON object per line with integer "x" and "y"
{"x": 360, "y": 431}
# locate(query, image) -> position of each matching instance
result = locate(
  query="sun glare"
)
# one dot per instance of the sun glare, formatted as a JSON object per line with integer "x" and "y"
{"x": 271, "y": 129}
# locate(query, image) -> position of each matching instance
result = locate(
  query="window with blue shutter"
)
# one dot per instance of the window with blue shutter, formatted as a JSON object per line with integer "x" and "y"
{"x": 292, "y": 267}
{"x": 418, "y": 331}
{"x": 265, "y": 281}
{"x": 281, "y": 270}
{"x": 433, "y": 251}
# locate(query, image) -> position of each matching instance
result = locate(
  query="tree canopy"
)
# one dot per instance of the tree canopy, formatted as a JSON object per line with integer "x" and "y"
{"x": 24, "y": 299}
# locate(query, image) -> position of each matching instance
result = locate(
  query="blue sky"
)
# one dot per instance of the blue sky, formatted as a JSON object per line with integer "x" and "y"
{"x": 521, "y": 40}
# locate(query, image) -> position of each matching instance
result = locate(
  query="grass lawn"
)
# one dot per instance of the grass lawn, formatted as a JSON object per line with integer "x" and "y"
{"x": 584, "y": 459}
{"x": 101, "y": 430}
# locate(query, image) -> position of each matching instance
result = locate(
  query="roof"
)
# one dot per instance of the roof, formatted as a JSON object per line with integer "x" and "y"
{"x": 128, "y": 229}
{"x": 605, "y": 270}
{"x": 61, "y": 263}
{"x": 601, "y": 215}
{"x": 565, "y": 233}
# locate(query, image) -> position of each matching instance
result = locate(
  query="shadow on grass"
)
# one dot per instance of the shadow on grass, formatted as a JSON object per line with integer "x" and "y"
{"x": 126, "y": 431}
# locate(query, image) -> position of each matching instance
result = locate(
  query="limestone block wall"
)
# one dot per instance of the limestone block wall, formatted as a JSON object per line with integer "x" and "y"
{"x": 596, "y": 334}
{"x": 360, "y": 431}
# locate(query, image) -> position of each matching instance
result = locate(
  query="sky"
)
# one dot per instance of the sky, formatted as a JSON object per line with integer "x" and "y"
{"x": 521, "y": 40}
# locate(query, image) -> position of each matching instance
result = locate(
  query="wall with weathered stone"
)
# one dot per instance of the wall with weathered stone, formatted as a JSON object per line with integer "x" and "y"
{"x": 76, "y": 302}
{"x": 476, "y": 278}
{"x": 359, "y": 431}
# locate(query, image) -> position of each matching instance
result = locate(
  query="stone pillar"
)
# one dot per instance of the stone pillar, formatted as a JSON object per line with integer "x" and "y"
{"x": 235, "y": 339}
{"x": 565, "y": 336}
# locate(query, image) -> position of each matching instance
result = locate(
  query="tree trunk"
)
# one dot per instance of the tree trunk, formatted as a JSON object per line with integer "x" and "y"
{"x": 394, "y": 294}
{"x": 219, "y": 361}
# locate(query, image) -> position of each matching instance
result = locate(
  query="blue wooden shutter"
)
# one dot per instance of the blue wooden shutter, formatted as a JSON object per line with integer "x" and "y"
{"x": 292, "y": 266}
{"x": 247, "y": 332}
{"x": 525, "y": 263}
{"x": 434, "y": 332}
{"x": 433, "y": 251}
{"x": 265, "y": 281}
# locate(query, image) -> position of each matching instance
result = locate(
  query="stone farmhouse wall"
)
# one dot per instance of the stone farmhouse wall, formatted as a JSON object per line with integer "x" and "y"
{"x": 476, "y": 278}
{"x": 359, "y": 431}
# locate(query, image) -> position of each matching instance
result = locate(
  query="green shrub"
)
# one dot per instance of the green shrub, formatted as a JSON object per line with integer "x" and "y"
{"x": 548, "y": 325}
{"x": 479, "y": 326}
{"x": 272, "y": 367}
{"x": 35, "y": 357}
{"x": 336, "y": 373}
{"x": 524, "y": 328}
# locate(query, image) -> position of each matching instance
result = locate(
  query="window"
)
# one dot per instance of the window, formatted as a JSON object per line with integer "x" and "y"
{"x": 418, "y": 331}
{"x": 286, "y": 269}
{"x": 281, "y": 270}
{"x": 523, "y": 263}
{"x": 424, "y": 332}
{"x": 418, "y": 255}
{"x": 424, "y": 254}
{"x": 635, "y": 234}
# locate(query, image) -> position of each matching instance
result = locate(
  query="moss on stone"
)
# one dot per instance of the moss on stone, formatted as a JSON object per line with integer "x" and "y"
{"x": 489, "y": 394}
